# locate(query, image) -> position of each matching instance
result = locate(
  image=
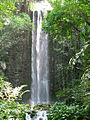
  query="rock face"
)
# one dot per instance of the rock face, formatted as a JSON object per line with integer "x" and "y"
{"x": 18, "y": 64}
{"x": 51, "y": 69}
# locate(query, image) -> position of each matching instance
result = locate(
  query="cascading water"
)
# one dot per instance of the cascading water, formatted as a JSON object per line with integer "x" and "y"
{"x": 40, "y": 70}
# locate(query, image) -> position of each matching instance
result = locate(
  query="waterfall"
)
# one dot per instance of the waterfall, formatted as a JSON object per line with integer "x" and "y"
{"x": 40, "y": 70}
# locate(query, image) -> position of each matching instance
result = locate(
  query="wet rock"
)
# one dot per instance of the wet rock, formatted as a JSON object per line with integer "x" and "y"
{"x": 41, "y": 106}
{"x": 33, "y": 113}
{"x": 40, "y": 118}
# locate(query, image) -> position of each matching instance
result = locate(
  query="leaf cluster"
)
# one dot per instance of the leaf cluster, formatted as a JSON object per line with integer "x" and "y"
{"x": 13, "y": 110}
{"x": 81, "y": 58}
{"x": 6, "y": 9}
{"x": 7, "y": 92}
{"x": 60, "y": 111}
{"x": 71, "y": 15}
{"x": 10, "y": 109}
{"x": 14, "y": 29}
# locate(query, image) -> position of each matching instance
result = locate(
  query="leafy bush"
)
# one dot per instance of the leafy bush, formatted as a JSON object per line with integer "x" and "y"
{"x": 14, "y": 30}
{"x": 7, "y": 92}
{"x": 6, "y": 9}
{"x": 10, "y": 108}
{"x": 60, "y": 111}
{"x": 85, "y": 84}
{"x": 71, "y": 95}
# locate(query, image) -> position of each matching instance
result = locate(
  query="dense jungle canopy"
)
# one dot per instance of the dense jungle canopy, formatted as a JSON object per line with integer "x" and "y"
{"x": 68, "y": 26}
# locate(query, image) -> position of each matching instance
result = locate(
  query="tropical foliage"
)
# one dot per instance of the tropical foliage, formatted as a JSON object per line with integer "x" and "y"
{"x": 60, "y": 111}
{"x": 68, "y": 25}
{"x": 12, "y": 28}
{"x": 6, "y": 9}
{"x": 10, "y": 108}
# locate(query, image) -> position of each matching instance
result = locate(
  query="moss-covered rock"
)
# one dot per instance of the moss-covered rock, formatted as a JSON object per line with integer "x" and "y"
{"x": 33, "y": 113}
{"x": 41, "y": 106}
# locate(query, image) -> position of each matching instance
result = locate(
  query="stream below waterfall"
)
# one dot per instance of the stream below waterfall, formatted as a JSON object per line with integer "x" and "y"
{"x": 40, "y": 115}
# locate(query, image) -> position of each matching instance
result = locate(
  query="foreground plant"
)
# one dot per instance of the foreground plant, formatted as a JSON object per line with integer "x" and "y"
{"x": 10, "y": 108}
{"x": 13, "y": 110}
{"x": 60, "y": 111}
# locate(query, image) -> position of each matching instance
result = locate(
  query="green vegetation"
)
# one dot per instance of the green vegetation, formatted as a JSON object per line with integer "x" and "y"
{"x": 12, "y": 29}
{"x": 10, "y": 108}
{"x": 6, "y": 9}
{"x": 60, "y": 111}
{"x": 68, "y": 25}
{"x": 42, "y": 107}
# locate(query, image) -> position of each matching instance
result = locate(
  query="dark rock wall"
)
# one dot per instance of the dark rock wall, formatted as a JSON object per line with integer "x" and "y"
{"x": 19, "y": 62}
{"x": 51, "y": 70}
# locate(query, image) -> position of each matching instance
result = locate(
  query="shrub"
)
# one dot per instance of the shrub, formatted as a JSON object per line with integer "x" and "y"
{"x": 60, "y": 111}
{"x": 13, "y": 110}
{"x": 10, "y": 108}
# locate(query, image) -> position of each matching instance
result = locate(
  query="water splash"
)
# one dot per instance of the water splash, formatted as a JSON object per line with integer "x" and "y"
{"x": 42, "y": 5}
{"x": 40, "y": 115}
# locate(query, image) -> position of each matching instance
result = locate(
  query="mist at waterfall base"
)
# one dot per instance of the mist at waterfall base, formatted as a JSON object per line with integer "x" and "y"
{"x": 40, "y": 115}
